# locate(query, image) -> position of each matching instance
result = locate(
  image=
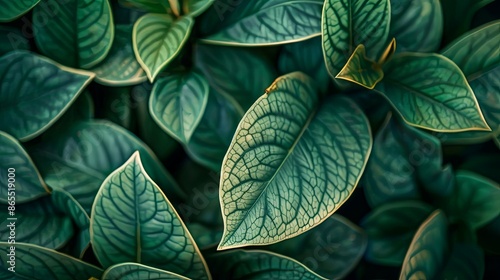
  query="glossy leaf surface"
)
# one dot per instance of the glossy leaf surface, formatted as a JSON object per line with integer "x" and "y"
{"x": 134, "y": 271}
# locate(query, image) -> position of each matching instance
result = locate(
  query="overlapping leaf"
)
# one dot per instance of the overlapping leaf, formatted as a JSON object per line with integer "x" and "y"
{"x": 152, "y": 6}
{"x": 134, "y": 271}
{"x": 360, "y": 70}
{"x": 466, "y": 261}
{"x": 196, "y": 7}
{"x": 14, "y": 9}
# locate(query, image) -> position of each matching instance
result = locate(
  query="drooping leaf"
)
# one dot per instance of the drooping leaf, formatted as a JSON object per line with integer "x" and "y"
{"x": 120, "y": 68}
{"x": 416, "y": 25}
{"x": 263, "y": 22}
{"x": 241, "y": 73}
{"x": 426, "y": 254}
{"x": 79, "y": 158}
{"x": 405, "y": 161}
{"x": 35, "y": 262}
{"x": 340, "y": 243}
{"x": 196, "y": 7}
{"x": 19, "y": 173}
{"x": 38, "y": 223}
{"x": 35, "y": 92}
{"x": 133, "y": 221}
{"x": 12, "y": 39}
{"x": 177, "y": 103}
{"x": 431, "y": 92}
{"x": 14, "y": 9}
{"x": 134, "y": 271}
{"x": 152, "y": 6}
{"x": 361, "y": 70}
{"x": 76, "y": 33}
{"x": 258, "y": 264}
{"x": 157, "y": 39}
{"x": 390, "y": 229}
{"x": 466, "y": 261}
{"x": 349, "y": 23}
{"x": 290, "y": 165}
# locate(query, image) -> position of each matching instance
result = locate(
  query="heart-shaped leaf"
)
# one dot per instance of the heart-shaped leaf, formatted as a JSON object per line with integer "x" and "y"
{"x": 133, "y": 221}
{"x": 196, "y": 7}
{"x": 20, "y": 173}
{"x": 76, "y": 33}
{"x": 290, "y": 166}
{"x": 177, "y": 103}
{"x": 431, "y": 92}
{"x": 49, "y": 264}
{"x": 466, "y": 262}
{"x": 361, "y": 70}
{"x": 14, "y": 9}
{"x": 134, "y": 271}
{"x": 157, "y": 39}
{"x": 264, "y": 22}
{"x": 390, "y": 229}
{"x": 258, "y": 264}
{"x": 29, "y": 104}
{"x": 425, "y": 256}
{"x": 13, "y": 39}
{"x": 349, "y": 23}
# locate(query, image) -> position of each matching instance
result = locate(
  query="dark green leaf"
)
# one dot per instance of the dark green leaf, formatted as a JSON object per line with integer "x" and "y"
{"x": 361, "y": 70}
{"x": 466, "y": 262}
{"x": 135, "y": 271}
{"x": 14, "y": 9}
{"x": 204, "y": 236}
{"x": 152, "y": 6}
{"x": 117, "y": 106}
{"x": 12, "y": 39}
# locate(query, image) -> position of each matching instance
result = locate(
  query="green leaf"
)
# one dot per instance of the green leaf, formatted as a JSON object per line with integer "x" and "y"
{"x": 133, "y": 221}
{"x": 474, "y": 201}
{"x": 157, "y": 39}
{"x": 196, "y": 7}
{"x": 416, "y": 25}
{"x": 264, "y": 22}
{"x": 120, "y": 68}
{"x": 466, "y": 262}
{"x": 212, "y": 137}
{"x": 134, "y": 271}
{"x": 258, "y": 264}
{"x": 205, "y": 237}
{"x": 79, "y": 158}
{"x": 429, "y": 91}
{"x": 37, "y": 223}
{"x": 349, "y": 23}
{"x": 425, "y": 256}
{"x": 35, "y": 262}
{"x": 241, "y": 73}
{"x": 361, "y": 70}
{"x": 390, "y": 229}
{"x": 12, "y": 10}
{"x": 29, "y": 104}
{"x": 12, "y": 39}
{"x": 152, "y": 6}
{"x": 282, "y": 141}
{"x": 339, "y": 243}
{"x": 76, "y": 33}
{"x": 177, "y": 103}
{"x": 19, "y": 173}
{"x": 404, "y": 161}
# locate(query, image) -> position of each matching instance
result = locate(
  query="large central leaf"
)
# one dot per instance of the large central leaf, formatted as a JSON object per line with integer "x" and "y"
{"x": 289, "y": 168}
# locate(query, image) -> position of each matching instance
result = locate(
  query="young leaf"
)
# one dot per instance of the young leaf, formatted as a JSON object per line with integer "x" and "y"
{"x": 431, "y": 92}
{"x": 133, "y": 221}
{"x": 196, "y": 7}
{"x": 15, "y": 9}
{"x": 49, "y": 264}
{"x": 76, "y": 33}
{"x": 466, "y": 262}
{"x": 390, "y": 229}
{"x": 177, "y": 104}
{"x": 134, "y": 271}
{"x": 120, "y": 68}
{"x": 12, "y": 39}
{"x": 347, "y": 24}
{"x": 416, "y": 25}
{"x": 361, "y": 70}
{"x": 425, "y": 256}
{"x": 158, "y": 39}
{"x": 265, "y": 22}
{"x": 175, "y": 7}
{"x": 257, "y": 264}
{"x": 289, "y": 167}
{"x": 29, "y": 104}
{"x": 19, "y": 172}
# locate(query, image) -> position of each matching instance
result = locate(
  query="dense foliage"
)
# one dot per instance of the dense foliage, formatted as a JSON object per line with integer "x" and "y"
{"x": 249, "y": 139}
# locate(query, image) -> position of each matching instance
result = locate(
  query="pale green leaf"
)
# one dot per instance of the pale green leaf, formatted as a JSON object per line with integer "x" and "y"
{"x": 76, "y": 33}
{"x": 24, "y": 180}
{"x": 15, "y": 9}
{"x": 38, "y": 263}
{"x": 157, "y": 39}
{"x": 177, "y": 103}
{"x": 35, "y": 92}
{"x": 134, "y": 271}
{"x": 349, "y": 23}
{"x": 361, "y": 70}
{"x": 426, "y": 254}
{"x": 196, "y": 7}
{"x": 133, "y": 221}
{"x": 429, "y": 91}
{"x": 152, "y": 6}
{"x": 290, "y": 165}
{"x": 12, "y": 39}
